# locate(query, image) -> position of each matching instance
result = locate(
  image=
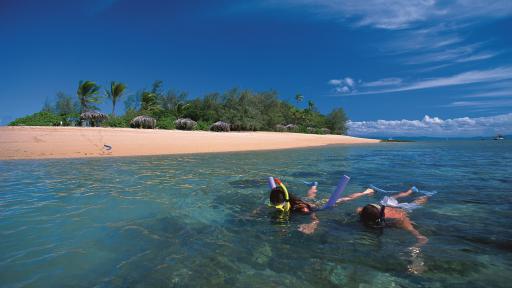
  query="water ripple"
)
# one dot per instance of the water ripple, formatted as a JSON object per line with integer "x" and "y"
{"x": 201, "y": 220}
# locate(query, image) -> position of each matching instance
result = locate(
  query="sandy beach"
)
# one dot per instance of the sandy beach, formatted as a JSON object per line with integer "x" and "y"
{"x": 78, "y": 142}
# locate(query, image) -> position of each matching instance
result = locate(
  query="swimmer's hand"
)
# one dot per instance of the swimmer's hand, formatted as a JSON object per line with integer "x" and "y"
{"x": 369, "y": 191}
{"x": 312, "y": 192}
{"x": 308, "y": 228}
{"x": 422, "y": 240}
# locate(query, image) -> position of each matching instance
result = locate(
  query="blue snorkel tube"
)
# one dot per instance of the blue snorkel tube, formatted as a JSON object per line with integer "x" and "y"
{"x": 271, "y": 183}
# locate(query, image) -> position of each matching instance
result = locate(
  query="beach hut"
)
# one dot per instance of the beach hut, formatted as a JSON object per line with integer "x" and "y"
{"x": 92, "y": 118}
{"x": 325, "y": 131}
{"x": 144, "y": 122}
{"x": 220, "y": 126}
{"x": 280, "y": 128}
{"x": 185, "y": 124}
{"x": 311, "y": 130}
{"x": 291, "y": 127}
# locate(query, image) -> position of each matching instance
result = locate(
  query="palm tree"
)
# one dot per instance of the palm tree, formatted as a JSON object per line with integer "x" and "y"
{"x": 299, "y": 98}
{"x": 149, "y": 103}
{"x": 87, "y": 95}
{"x": 180, "y": 108}
{"x": 115, "y": 92}
{"x": 311, "y": 106}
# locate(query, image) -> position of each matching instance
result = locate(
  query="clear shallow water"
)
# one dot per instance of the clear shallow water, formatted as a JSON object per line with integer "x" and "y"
{"x": 193, "y": 220}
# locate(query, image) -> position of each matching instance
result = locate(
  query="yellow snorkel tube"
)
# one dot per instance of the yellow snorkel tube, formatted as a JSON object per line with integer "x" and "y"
{"x": 285, "y": 206}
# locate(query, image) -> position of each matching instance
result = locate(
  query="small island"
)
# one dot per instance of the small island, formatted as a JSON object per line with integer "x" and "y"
{"x": 157, "y": 122}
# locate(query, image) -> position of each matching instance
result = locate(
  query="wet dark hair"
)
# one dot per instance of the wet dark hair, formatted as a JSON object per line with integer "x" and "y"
{"x": 371, "y": 215}
{"x": 277, "y": 196}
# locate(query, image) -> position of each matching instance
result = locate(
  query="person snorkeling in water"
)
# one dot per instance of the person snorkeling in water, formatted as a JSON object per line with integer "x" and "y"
{"x": 385, "y": 215}
{"x": 286, "y": 202}
{"x": 390, "y": 213}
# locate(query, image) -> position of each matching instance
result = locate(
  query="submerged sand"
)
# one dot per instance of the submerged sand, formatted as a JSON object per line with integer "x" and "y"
{"x": 77, "y": 142}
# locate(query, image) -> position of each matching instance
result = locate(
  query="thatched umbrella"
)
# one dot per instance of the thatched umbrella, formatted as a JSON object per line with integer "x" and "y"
{"x": 220, "y": 126}
{"x": 325, "y": 131}
{"x": 185, "y": 124}
{"x": 291, "y": 127}
{"x": 280, "y": 128}
{"x": 144, "y": 122}
{"x": 93, "y": 118}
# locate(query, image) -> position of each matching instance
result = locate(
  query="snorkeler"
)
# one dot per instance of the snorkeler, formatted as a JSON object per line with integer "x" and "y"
{"x": 390, "y": 213}
{"x": 286, "y": 202}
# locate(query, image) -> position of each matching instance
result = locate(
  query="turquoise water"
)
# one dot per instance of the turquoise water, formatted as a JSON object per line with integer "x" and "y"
{"x": 193, "y": 221}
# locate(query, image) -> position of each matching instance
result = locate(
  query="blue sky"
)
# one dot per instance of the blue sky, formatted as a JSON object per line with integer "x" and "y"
{"x": 407, "y": 67}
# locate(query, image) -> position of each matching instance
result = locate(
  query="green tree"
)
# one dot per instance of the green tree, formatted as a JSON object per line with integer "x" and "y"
{"x": 270, "y": 110}
{"x": 337, "y": 121}
{"x": 156, "y": 88}
{"x": 180, "y": 109}
{"x": 149, "y": 103}
{"x": 242, "y": 110}
{"x": 169, "y": 101}
{"x": 116, "y": 91}
{"x": 132, "y": 102}
{"x": 43, "y": 118}
{"x": 64, "y": 105}
{"x": 311, "y": 106}
{"x": 88, "y": 95}
{"x": 47, "y": 106}
{"x": 297, "y": 116}
{"x": 211, "y": 108}
{"x": 299, "y": 98}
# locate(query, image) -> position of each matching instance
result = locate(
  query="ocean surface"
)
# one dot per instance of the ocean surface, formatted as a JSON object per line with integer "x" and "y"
{"x": 202, "y": 220}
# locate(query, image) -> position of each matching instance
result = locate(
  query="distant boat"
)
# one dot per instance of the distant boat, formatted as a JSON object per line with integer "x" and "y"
{"x": 499, "y": 137}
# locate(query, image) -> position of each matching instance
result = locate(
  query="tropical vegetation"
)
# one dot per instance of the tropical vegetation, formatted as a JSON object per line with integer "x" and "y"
{"x": 88, "y": 97}
{"x": 241, "y": 109}
{"x": 114, "y": 93}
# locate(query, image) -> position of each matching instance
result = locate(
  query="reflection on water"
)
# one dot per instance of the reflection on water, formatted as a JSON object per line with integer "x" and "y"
{"x": 201, "y": 220}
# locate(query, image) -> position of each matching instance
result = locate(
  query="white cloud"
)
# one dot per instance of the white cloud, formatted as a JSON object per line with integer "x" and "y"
{"x": 400, "y": 14}
{"x": 343, "y": 86}
{"x": 435, "y": 127}
{"x": 343, "y": 89}
{"x": 452, "y": 54}
{"x": 470, "y": 77}
{"x": 461, "y": 54}
{"x": 482, "y": 104}
{"x": 383, "y": 82}
{"x": 435, "y": 37}
{"x": 349, "y": 81}
{"x": 497, "y": 93}
{"x": 377, "y": 13}
{"x": 477, "y": 57}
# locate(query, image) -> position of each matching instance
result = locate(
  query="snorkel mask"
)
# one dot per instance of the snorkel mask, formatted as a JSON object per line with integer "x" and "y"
{"x": 284, "y": 206}
{"x": 379, "y": 223}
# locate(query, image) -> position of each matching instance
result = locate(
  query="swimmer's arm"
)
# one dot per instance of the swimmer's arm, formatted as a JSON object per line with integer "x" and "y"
{"x": 354, "y": 196}
{"x": 407, "y": 225}
{"x": 402, "y": 194}
{"x": 310, "y": 227}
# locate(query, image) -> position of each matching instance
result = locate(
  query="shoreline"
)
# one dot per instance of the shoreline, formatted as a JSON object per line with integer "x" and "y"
{"x": 34, "y": 142}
